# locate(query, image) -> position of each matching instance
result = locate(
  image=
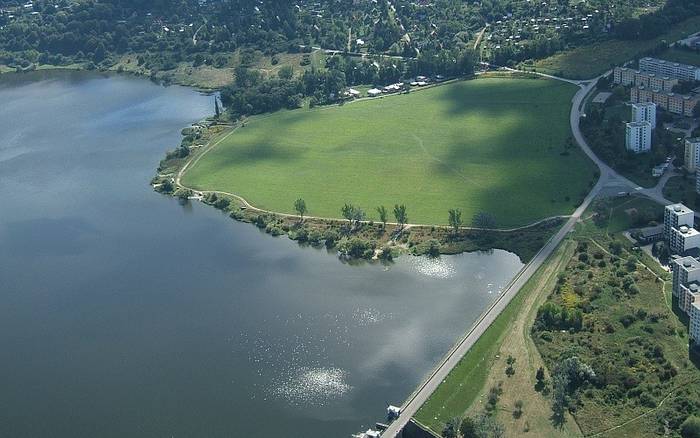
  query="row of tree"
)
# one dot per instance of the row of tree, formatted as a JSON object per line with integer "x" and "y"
{"x": 355, "y": 215}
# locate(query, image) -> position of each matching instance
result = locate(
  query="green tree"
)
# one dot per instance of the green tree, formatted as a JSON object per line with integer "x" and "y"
{"x": 383, "y": 215}
{"x": 455, "y": 219}
{"x": 691, "y": 427}
{"x": 400, "y": 214}
{"x": 468, "y": 428}
{"x": 353, "y": 214}
{"x": 510, "y": 370}
{"x": 518, "y": 411}
{"x": 300, "y": 208}
{"x": 451, "y": 429}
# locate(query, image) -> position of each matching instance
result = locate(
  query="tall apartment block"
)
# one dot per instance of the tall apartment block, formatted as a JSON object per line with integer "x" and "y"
{"x": 676, "y": 216}
{"x": 638, "y": 137}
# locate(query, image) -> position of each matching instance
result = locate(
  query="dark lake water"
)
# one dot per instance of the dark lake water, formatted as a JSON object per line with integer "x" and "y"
{"x": 125, "y": 314}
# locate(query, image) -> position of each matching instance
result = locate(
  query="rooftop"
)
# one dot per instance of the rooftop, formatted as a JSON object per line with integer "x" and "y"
{"x": 688, "y": 263}
{"x": 688, "y": 231}
{"x": 675, "y": 64}
{"x": 679, "y": 208}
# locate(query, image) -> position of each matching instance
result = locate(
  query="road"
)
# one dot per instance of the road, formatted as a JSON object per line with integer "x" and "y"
{"x": 608, "y": 178}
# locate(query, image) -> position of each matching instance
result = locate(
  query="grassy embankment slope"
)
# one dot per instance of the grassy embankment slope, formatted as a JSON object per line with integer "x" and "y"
{"x": 589, "y": 61}
{"x": 466, "y": 389}
{"x": 486, "y": 145}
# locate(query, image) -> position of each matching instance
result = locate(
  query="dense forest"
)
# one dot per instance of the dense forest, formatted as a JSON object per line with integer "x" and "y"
{"x": 422, "y": 37}
{"x": 167, "y": 32}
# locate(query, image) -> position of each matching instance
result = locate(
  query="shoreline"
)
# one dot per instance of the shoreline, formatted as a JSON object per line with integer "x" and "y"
{"x": 367, "y": 239}
{"x": 163, "y": 80}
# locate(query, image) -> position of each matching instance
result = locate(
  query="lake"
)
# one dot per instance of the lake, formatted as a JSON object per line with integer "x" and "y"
{"x": 124, "y": 313}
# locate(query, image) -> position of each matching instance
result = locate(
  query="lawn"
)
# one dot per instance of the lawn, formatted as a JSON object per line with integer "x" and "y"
{"x": 591, "y": 60}
{"x": 500, "y": 146}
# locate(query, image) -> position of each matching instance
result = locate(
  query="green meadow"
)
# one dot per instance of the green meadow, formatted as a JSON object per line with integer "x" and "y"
{"x": 494, "y": 145}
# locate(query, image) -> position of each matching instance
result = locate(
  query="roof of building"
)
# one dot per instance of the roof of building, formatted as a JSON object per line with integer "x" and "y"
{"x": 675, "y": 64}
{"x": 692, "y": 140}
{"x": 687, "y": 263}
{"x": 688, "y": 231}
{"x": 693, "y": 287}
{"x": 651, "y": 231}
{"x": 679, "y": 208}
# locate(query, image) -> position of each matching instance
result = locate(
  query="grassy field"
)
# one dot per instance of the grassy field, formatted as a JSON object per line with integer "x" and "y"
{"x": 489, "y": 145}
{"x": 591, "y": 60}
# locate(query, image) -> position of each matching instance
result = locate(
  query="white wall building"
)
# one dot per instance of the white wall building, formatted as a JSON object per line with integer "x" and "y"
{"x": 688, "y": 294}
{"x": 675, "y": 70}
{"x": 685, "y": 270}
{"x": 694, "y": 329}
{"x": 644, "y": 112}
{"x": 638, "y": 137}
{"x": 675, "y": 216}
{"x": 692, "y": 154}
{"x": 683, "y": 239}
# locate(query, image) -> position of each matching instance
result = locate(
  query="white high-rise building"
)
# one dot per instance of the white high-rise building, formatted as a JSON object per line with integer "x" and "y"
{"x": 683, "y": 239}
{"x": 676, "y": 216}
{"x": 638, "y": 137}
{"x": 692, "y": 154}
{"x": 686, "y": 270}
{"x": 694, "y": 326}
{"x": 644, "y": 112}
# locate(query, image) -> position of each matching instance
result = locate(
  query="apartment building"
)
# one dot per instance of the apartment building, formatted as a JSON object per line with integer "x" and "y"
{"x": 681, "y": 104}
{"x": 691, "y": 157}
{"x": 629, "y": 77}
{"x": 675, "y": 216}
{"x": 638, "y": 137}
{"x": 694, "y": 326}
{"x": 686, "y": 270}
{"x": 675, "y": 70}
{"x": 683, "y": 239}
{"x": 644, "y": 112}
{"x": 687, "y": 295}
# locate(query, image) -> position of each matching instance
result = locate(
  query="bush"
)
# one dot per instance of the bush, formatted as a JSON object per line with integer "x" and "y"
{"x": 691, "y": 427}
{"x": 331, "y": 237}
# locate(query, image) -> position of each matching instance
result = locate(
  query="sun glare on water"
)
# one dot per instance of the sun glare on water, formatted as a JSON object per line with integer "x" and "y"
{"x": 312, "y": 386}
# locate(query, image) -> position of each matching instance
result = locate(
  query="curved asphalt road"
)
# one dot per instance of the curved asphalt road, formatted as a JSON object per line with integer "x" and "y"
{"x": 608, "y": 177}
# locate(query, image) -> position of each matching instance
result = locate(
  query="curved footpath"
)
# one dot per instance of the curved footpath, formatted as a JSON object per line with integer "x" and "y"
{"x": 608, "y": 177}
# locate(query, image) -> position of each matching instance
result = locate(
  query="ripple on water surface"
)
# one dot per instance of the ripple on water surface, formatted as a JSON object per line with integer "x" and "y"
{"x": 438, "y": 267}
{"x": 311, "y": 386}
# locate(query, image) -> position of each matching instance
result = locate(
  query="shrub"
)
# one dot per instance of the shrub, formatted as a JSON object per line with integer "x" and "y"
{"x": 691, "y": 427}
